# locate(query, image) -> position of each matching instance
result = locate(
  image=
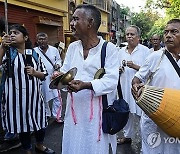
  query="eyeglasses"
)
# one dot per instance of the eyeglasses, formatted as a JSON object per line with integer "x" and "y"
{"x": 155, "y": 39}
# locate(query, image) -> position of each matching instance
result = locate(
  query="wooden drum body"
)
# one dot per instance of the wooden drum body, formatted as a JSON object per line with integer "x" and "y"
{"x": 163, "y": 107}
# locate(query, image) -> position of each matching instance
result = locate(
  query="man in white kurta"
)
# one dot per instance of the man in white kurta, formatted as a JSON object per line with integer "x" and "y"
{"x": 131, "y": 58}
{"x": 162, "y": 78}
{"x": 154, "y": 140}
{"x": 138, "y": 57}
{"x": 49, "y": 94}
{"x": 156, "y": 43}
{"x": 83, "y": 130}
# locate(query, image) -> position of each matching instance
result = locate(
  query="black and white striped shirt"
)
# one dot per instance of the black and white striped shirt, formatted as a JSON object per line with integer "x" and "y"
{"x": 24, "y": 109}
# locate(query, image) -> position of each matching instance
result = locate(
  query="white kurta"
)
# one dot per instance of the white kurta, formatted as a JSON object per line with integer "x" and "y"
{"x": 138, "y": 57}
{"x": 54, "y": 56}
{"x": 82, "y": 138}
{"x": 165, "y": 77}
{"x": 152, "y": 49}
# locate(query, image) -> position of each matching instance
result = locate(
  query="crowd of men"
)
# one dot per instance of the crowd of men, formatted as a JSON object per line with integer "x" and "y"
{"x": 131, "y": 66}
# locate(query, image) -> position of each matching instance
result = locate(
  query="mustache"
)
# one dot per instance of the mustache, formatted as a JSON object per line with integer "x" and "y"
{"x": 168, "y": 40}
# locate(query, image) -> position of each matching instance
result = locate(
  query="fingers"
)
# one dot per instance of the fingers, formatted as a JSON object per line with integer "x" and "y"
{"x": 71, "y": 89}
{"x": 137, "y": 89}
{"x": 121, "y": 69}
{"x": 6, "y": 40}
{"x": 130, "y": 64}
{"x": 56, "y": 74}
{"x": 134, "y": 91}
{"x": 75, "y": 85}
{"x": 29, "y": 70}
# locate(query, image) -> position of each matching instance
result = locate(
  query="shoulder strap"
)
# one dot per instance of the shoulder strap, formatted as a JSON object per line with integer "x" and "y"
{"x": 103, "y": 56}
{"x": 155, "y": 69}
{"x": 35, "y": 56}
{"x": 13, "y": 53}
{"x": 119, "y": 89}
{"x": 46, "y": 57}
{"x": 104, "y": 97}
{"x": 173, "y": 62}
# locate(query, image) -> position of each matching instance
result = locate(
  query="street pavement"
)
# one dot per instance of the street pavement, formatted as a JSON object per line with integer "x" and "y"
{"x": 53, "y": 138}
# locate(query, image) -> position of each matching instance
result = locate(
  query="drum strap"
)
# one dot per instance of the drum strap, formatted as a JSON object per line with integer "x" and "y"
{"x": 173, "y": 62}
{"x": 152, "y": 73}
{"x": 46, "y": 56}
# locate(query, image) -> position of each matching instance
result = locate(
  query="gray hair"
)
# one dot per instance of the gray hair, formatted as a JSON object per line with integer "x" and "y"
{"x": 137, "y": 29}
{"x": 41, "y": 34}
{"x": 92, "y": 12}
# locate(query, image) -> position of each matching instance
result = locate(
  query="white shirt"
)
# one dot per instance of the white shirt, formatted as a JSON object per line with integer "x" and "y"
{"x": 53, "y": 54}
{"x": 152, "y": 49}
{"x": 138, "y": 57}
{"x": 83, "y": 137}
{"x": 165, "y": 77}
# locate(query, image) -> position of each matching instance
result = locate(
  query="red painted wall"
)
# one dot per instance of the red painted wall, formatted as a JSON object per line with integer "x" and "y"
{"x": 25, "y": 16}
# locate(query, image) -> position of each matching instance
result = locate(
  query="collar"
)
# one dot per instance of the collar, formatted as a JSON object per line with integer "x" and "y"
{"x": 99, "y": 45}
{"x": 135, "y": 49}
{"x": 43, "y": 50}
{"x": 172, "y": 54}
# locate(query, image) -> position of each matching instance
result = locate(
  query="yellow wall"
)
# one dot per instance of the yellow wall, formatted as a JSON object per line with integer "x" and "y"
{"x": 57, "y": 7}
{"x": 79, "y": 2}
{"x": 104, "y": 22}
{"x": 66, "y": 22}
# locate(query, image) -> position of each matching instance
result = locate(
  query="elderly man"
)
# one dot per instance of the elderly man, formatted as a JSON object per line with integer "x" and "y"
{"x": 131, "y": 58}
{"x": 82, "y": 132}
{"x": 165, "y": 76}
{"x": 51, "y": 58}
{"x": 156, "y": 42}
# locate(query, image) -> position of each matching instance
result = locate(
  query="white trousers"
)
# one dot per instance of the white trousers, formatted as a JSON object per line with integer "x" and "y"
{"x": 56, "y": 108}
{"x": 133, "y": 122}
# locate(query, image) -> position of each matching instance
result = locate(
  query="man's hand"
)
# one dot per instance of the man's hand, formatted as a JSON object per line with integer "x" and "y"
{"x": 77, "y": 85}
{"x": 136, "y": 89}
{"x": 56, "y": 74}
{"x": 121, "y": 69}
{"x": 130, "y": 64}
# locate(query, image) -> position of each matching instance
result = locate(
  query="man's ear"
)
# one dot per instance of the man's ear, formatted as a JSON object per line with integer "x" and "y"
{"x": 91, "y": 23}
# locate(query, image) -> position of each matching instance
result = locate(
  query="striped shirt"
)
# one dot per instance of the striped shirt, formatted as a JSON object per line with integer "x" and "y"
{"x": 23, "y": 107}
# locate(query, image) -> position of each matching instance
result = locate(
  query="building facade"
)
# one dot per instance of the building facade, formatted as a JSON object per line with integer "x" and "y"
{"x": 38, "y": 16}
{"x": 52, "y": 17}
{"x": 103, "y": 5}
